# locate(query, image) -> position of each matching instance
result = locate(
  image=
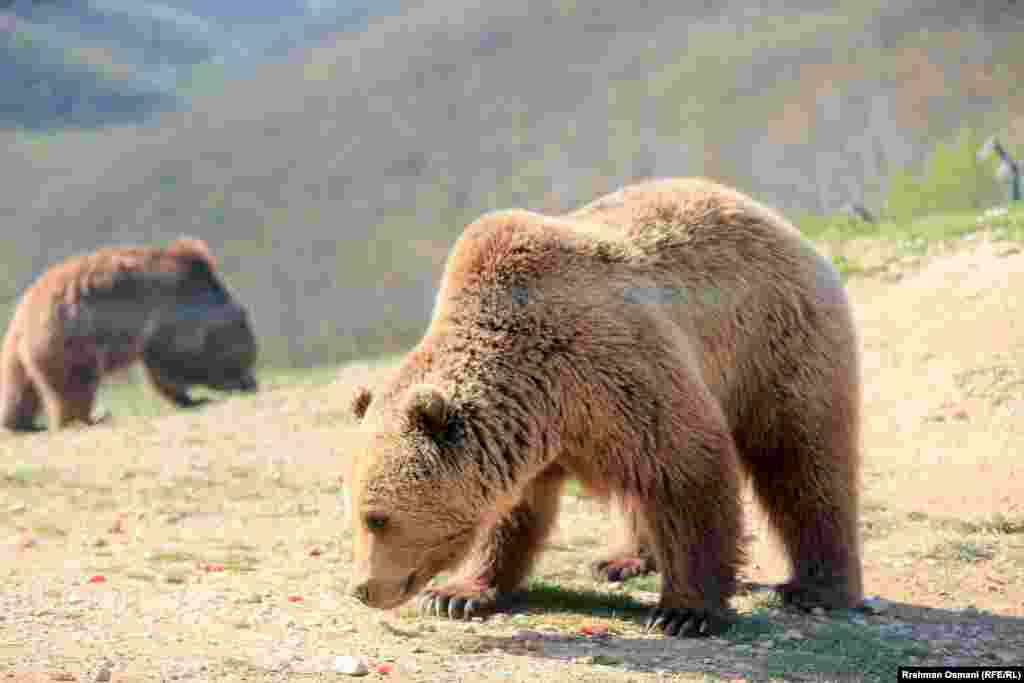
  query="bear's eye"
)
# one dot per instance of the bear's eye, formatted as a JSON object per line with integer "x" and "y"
{"x": 376, "y": 522}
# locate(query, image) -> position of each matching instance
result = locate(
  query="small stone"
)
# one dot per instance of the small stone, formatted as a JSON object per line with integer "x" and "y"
{"x": 793, "y": 634}
{"x": 875, "y": 605}
{"x": 103, "y": 675}
{"x": 818, "y": 611}
{"x": 350, "y": 666}
{"x": 1007, "y": 657}
{"x": 767, "y": 644}
{"x": 118, "y": 525}
{"x": 176, "y": 577}
{"x": 23, "y": 540}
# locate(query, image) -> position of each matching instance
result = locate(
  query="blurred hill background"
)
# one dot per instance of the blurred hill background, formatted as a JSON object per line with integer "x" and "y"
{"x": 330, "y": 151}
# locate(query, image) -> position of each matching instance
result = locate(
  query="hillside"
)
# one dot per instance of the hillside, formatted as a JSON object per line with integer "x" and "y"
{"x": 333, "y": 188}
{"x": 98, "y": 63}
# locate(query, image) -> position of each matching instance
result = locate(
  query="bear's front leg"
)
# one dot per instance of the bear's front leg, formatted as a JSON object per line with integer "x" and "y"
{"x": 503, "y": 557}
{"x": 693, "y": 513}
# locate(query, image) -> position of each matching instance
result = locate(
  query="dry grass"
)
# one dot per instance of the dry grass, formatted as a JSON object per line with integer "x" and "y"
{"x": 202, "y": 525}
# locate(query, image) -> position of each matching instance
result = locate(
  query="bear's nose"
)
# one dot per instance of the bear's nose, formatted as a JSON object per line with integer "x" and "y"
{"x": 360, "y": 591}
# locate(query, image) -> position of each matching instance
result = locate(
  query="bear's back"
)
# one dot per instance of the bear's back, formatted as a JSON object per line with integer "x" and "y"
{"x": 657, "y": 213}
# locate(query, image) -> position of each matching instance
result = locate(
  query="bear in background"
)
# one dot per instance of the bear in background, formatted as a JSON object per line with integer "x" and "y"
{"x": 98, "y": 313}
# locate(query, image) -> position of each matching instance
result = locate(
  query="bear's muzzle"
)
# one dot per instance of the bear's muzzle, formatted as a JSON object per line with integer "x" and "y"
{"x": 373, "y": 596}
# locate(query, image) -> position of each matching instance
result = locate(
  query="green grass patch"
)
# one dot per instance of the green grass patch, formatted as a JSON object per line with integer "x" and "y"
{"x": 915, "y": 235}
{"x": 650, "y": 583}
{"x": 859, "y": 652}
{"x": 1008, "y": 225}
{"x": 751, "y": 628}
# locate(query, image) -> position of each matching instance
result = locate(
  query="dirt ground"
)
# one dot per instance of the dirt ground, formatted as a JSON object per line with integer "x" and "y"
{"x": 211, "y": 545}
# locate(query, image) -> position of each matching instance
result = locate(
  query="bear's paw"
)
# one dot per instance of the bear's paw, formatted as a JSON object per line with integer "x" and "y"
{"x": 686, "y": 622}
{"x": 460, "y": 600}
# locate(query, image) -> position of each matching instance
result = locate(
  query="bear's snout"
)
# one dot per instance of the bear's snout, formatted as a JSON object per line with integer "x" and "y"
{"x": 382, "y": 594}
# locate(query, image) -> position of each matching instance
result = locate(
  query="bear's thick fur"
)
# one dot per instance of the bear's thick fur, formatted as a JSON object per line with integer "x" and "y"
{"x": 654, "y": 345}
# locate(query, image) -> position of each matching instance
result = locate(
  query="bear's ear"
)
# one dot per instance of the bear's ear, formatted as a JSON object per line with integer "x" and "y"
{"x": 360, "y": 402}
{"x": 426, "y": 409}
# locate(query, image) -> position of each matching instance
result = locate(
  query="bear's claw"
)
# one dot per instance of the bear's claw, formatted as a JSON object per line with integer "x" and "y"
{"x": 455, "y": 604}
{"x": 685, "y": 623}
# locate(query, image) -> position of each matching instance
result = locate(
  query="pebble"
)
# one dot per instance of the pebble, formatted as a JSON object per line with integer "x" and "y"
{"x": 875, "y": 605}
{"x": 818, "y": 611}
{"x": 176, "y": 577}
{"x": 103, "y": 675}
{"x": 350, "y": 666}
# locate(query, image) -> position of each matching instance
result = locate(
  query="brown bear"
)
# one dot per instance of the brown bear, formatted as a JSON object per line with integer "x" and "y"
{"x": 98, "y": 313}
{"x": 654, "y": 345}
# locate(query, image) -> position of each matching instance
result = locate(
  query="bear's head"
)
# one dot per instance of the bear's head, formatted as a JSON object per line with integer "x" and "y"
{"x": 411, "y": 493}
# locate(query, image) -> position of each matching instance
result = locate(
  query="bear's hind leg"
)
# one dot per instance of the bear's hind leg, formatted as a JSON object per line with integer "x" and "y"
{"x": 807, "y": 481}
{"x": 503, "y": 557}
{"x": 631, "y": 554}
